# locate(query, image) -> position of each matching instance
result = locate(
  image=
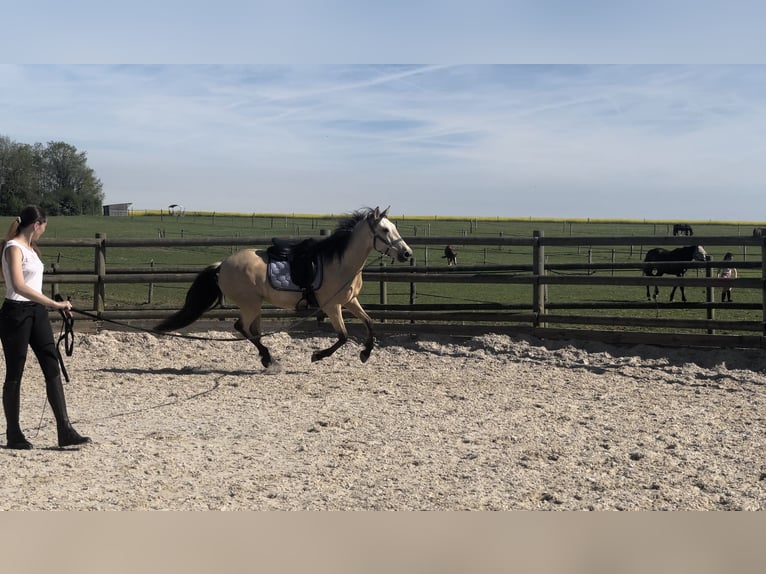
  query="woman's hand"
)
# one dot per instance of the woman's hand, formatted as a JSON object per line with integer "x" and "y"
{"x": 65, "y": 306}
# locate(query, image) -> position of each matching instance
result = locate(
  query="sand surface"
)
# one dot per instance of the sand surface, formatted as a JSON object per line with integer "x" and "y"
{"x": 481, "y": 423}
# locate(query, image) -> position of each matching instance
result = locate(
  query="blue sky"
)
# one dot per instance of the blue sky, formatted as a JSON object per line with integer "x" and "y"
{"x": 529, "y": 138}
{"x": 509, "y": 140}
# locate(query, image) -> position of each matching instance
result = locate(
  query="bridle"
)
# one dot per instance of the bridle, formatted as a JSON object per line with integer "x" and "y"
{"x": 377, "y": 237}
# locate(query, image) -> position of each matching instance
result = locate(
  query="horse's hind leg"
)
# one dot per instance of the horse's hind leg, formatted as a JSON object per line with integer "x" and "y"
{"x": 254, "y": 336}
{"x": 673, "y": 294}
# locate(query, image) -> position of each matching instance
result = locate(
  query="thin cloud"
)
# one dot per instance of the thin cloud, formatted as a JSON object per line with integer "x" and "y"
{"x": 559, "y": 141}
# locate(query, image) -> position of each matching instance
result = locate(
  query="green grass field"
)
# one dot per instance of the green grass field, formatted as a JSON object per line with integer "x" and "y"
{"x": 265, "y": 226}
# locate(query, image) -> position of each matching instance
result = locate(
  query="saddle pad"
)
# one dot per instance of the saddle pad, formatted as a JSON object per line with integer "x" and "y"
{"x": 279, "y": 276}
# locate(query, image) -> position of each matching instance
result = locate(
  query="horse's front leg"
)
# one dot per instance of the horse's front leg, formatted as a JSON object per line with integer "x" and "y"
{"x": 253, "y": 334}
{"x": 648, "y": 288}
{"x": 359, "y": 313}
{"x": 683, "y": 292}
{"x": 336, "y": 318}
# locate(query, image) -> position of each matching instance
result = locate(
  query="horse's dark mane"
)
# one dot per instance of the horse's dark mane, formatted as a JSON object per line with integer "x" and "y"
{"x": 335, "y": 245}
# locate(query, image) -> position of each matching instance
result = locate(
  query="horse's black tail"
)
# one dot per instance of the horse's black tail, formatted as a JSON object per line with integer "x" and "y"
{"x": 203, "y": 295}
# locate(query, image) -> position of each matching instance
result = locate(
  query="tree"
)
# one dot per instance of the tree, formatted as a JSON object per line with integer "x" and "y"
{"x": 56, "y": 177}
{"x": 67, "y": 185}
{"x": 18, "y": 176}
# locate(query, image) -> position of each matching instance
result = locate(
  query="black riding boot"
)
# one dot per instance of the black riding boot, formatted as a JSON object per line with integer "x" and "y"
{"x": 66, "y": 434}
{"x": 11, "y": 406}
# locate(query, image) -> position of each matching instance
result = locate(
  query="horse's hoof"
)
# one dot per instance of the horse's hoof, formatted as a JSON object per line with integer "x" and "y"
{"x": 364, "y": 355}
{"x": 266, "y": 361}
{"x": 316, "y": 356}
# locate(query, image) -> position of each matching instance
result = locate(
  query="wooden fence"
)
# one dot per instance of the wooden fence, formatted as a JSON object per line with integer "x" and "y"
{"x": 536, "y": 316}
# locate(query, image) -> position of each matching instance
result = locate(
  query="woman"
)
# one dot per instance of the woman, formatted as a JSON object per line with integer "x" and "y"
{"x": 727, "y": 273}
{"x": 24, "y": 323}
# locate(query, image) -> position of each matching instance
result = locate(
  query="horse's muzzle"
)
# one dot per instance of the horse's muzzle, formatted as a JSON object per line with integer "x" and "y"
{"x": 403, "y": 255}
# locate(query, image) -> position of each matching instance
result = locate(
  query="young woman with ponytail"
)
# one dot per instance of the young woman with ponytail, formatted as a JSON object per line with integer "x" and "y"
{"x": 24, "y": 323}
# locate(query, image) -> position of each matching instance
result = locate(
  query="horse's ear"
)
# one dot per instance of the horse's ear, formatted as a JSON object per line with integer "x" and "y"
{"x": 376, "y": 213}
{"x": 385, "y": 213}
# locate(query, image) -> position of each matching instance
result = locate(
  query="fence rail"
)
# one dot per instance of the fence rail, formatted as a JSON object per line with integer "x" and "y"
{"x": 535, "y": 316}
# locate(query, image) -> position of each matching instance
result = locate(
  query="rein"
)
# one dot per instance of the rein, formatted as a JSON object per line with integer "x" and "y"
{"x": 67, "y": 335}
{"x": 97, "y": 317}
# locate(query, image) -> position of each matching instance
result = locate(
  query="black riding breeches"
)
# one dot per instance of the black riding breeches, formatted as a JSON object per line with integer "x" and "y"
{"x": 25, "y": 324}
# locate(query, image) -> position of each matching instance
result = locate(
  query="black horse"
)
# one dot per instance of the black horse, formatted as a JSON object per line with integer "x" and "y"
{"x": 682, "y": 229}
{"x": 677, "y": 256}
{"x": 450, "y": 255}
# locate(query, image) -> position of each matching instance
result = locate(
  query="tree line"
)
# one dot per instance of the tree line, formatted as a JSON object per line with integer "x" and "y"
{"x": 54, "y": 176}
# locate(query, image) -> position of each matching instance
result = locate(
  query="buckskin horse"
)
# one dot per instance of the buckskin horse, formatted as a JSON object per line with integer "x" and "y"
{"x": 243, "y": 278}
{"x": 675, "y": 260}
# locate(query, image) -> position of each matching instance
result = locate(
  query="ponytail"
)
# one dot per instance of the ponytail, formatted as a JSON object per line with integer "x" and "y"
{"x": 13, "y": 231}
{"x": 29, "y": 215}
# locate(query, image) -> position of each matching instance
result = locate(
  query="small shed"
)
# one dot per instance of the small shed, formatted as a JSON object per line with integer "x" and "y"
{"x": 119, "y": 209}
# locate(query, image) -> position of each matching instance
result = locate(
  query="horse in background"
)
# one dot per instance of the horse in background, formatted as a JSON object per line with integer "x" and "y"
{"x": 675, "y": 259}
{"x": 243, "y": 278}
{"x": 450, "y": 255}
{"x": 759, "y": 231}
{"x": 682, "y": 229}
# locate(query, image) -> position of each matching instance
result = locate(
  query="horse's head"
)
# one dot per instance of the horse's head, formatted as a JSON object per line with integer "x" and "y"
{"x": 386, "y": 237}
{"x": 699, "y": 254}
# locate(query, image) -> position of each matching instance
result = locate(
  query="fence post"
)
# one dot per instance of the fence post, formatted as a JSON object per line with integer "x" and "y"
{"x": 413, "y": 287}
{"x": 151, "y": 285}
{"x": 383, "y": 288}
{"x": 710, "y": 293}
{"x": 100, "y": 270}
{"x": 538, "y": 269}
{"x": 54, "y": 285}
{"x": 763, "y": 287}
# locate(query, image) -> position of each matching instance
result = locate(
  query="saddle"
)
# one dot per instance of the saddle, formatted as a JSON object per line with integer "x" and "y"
{"x": 294, "y": 265}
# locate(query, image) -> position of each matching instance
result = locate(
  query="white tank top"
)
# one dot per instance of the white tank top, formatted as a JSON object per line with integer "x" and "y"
{"x": 31, "y": 267}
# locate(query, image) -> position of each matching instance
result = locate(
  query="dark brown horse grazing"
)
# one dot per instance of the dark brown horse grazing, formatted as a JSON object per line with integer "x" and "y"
{"x": 243, "y": 279}
{"x": 682, "y": 229}
{"x": 450, "y": 255}
{"x": 659, "y": 261}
